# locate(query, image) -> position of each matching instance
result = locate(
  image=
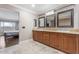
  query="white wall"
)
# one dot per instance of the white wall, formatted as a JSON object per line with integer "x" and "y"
{"x": 26, "y": 19}
{"x": 77, "y": 15}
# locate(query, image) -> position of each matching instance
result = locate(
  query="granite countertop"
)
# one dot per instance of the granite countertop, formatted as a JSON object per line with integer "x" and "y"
{"x": 70, "y": 31}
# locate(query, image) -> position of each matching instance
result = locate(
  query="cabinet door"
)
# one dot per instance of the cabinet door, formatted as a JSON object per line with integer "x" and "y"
{"x": 60, "y": 41}
{"x": 39, "y": 36}
{"x": 77, "y": 41}
{"x": 69, "y": 43}
{"x": 54, "y": 40}
{"x": 35, "y": 35}
{"x": 45, "y": 38}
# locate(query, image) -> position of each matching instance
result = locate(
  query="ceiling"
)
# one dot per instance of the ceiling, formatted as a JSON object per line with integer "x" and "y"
{"x": 38, "y": 9}
{"x": 42, "y": 8}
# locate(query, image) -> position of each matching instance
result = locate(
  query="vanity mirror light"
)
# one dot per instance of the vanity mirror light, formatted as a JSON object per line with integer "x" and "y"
{"x": 65, "y": 18}
{"x": 41, "y": 22}
{"x": 50, "y": 20}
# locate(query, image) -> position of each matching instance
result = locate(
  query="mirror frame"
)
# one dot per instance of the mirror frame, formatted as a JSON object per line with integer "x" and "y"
{"x": 72, "y": 18}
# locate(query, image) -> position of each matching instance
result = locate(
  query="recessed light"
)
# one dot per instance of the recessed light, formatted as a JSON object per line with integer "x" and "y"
{"x": 33, "y": 5}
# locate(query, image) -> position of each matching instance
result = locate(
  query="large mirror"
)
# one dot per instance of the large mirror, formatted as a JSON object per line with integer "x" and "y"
{"x": 35, "y": 22}
{"x": 65, "y": 18}
{"x": 41, "y": 22}
{"x": 50, "y": 21}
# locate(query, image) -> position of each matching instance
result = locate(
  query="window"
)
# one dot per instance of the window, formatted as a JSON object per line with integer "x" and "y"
{"x": 2, "y": 24}
{"x": 8, "y": 24}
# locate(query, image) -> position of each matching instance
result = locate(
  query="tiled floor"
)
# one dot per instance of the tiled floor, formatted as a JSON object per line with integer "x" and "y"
{"x": 29, "y": 47}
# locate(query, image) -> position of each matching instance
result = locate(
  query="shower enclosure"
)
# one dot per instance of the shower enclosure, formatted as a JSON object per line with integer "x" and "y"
{"x": 9, "y": 26}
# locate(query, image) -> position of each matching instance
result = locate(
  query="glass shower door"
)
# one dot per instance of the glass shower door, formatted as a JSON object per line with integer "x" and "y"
{"x": 1, "y": 28}
{"x": 2, "y": 40}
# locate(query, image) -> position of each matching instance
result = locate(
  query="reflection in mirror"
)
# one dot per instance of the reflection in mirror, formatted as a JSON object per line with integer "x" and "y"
{"x": 50, "y": 21}
{"x": 41, "y": 22}
{"x": 35, "y": 22}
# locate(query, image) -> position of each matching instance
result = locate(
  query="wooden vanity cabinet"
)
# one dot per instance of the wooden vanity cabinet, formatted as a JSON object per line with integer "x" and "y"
{"x": 66, "y": 42}
{"x": 60, "y": 41}
{"x": 42, "y": 37}
{"x": 45, "y": 38}
{"x": 37, "y": 36}
{"x": 77, "y": 43}
{"x": 69, "y": 43}
{"x": 54, "y": 42}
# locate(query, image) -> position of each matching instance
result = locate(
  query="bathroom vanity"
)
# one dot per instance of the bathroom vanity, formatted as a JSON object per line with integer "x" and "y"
{"x": 66, "y": 41}
{"x": 54, "y": 34}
